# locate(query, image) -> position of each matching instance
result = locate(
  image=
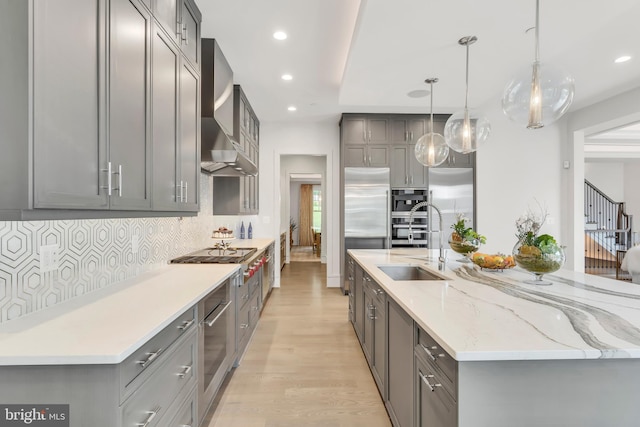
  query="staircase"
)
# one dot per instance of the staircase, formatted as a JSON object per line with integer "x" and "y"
{"x": 607, "y": 233}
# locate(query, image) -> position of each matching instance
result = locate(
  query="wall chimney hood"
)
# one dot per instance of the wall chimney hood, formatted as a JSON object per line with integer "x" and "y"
{"x": 220, "y": 153}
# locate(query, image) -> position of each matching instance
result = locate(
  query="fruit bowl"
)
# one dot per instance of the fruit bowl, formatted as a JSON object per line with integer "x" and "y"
{"x": 493, "y": 261}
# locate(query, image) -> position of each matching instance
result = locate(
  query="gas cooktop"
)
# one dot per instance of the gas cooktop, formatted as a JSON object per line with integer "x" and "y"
{"x": 216, "y": 256}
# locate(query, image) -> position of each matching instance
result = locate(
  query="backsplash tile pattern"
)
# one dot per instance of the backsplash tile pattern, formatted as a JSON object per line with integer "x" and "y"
{"x": 93, "y": 254}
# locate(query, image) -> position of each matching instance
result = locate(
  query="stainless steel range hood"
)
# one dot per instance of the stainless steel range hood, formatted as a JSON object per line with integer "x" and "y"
{"x": 220, "y": 154}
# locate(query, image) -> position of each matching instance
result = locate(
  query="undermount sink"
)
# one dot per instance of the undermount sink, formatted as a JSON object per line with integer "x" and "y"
{"x": 409, "y": 272}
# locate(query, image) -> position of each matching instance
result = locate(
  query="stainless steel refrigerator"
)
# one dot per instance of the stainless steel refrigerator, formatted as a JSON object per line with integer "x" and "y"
{"x": 451, "y": 190}
{"x": 367, "y": 208}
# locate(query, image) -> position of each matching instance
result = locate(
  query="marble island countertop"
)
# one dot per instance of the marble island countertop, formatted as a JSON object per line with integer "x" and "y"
{"x": 486, "y": 315}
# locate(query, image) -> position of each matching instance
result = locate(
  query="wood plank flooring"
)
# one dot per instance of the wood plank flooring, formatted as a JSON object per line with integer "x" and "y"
{"x": 304, "y": 366}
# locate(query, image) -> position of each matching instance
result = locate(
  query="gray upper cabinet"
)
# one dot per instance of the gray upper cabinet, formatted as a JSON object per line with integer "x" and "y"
{"x": 365, "y": 141}
{"x": 64, "y": 133}
{"x": 167, "y": 13}
{"x": 92, "y": 153}
{"x": 128, "y": 176}
{"x": 190, "y": 19}
{"x": 175, "y": 95}
{"x": 407, "y": 129}
{"x": 406, "y": 170}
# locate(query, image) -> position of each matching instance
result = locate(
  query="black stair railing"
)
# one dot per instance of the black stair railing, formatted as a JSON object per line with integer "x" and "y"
{"x": 607, "y": 230}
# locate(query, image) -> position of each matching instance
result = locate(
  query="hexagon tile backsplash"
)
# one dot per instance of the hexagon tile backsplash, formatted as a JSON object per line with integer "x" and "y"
{"x": 92, "y": 254}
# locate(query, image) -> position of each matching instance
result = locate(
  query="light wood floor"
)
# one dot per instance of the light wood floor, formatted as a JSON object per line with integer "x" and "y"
{"x": 304, "y": 366}
{"x": 303, "y": 254}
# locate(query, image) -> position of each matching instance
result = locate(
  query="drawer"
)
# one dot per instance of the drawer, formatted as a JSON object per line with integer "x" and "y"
{"x": 150, "y": 402}
{"x": 244, "y": 321}
{"x": 254, "y": 311}
{"x": 433, "y": 353}
{"x": 187, "y": 414}
{"x": 242, "y": 294}
{"x": 151, "y": 352}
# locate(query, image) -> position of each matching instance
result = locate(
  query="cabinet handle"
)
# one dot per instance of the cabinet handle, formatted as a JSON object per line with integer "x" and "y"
{"x": 453, "y": 159}
{"x": 179, "y": 196}
{"x": 108, "y": 186}
{"x": 151, "y": 358}
{"x": 185, "y": 36}
{"x": 425, "y": 379}
{"x": 186, "y": 324}
{"x": 119, "y": 188}
{"x": 244, "y": 325}
{"x": 378, "y": 291}
{"x": 152, "y": 415}
{"x": 430, "y": 354}
{"x": 406, "y": 135}
{"x": 186, "y": 192}
{"x": 179, "y": 29}
{"x": 185, "y": 372}
{"x": 411, "y": 136}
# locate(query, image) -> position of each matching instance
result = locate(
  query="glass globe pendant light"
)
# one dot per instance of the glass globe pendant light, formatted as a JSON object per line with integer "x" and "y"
{"x": 540, "y": 93}
{"x": 466, "y": 130}
{"x": 431, "y": 148}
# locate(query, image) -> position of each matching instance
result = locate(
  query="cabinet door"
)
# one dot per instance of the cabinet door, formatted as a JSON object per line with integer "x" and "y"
{"x": 400, "y": 365}
{"x": 68, "y": 104}
{"x": 379, "y": 344}
{"x": 418, "y": 173}
{"x": 129, "y": 100}
{"x": 399, "y": 175}
{"x": 416, "y": 128}
{"x": 190, "y": 19}
{"x": 378, "y": 131}
{"x": 399, "y": 133}
{"x": 378, "y": 155}
{"x": 164, "y": 122}
{"x": 354, "y": 130}
{"x": 355, "y": 155}
{"x": 358, "y": 293}
{"x": 434, "y": 406}
{"x": 189, "y": 137}
{"x": 167, "y": 14}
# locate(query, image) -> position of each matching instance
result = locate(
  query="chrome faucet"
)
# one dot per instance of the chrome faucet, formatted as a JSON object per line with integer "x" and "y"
{"x": 442, "y": 258}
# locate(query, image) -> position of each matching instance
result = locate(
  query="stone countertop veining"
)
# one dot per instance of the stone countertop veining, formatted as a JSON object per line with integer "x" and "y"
{"x": 486, "y": 315}
{"x": 106, "y": 326}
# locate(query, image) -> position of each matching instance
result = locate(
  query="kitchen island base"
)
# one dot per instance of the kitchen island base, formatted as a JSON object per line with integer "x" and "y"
{"x": 567, "y": 393}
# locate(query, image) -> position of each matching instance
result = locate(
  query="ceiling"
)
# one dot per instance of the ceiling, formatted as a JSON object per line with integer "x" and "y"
{"x": 368, "y": 55}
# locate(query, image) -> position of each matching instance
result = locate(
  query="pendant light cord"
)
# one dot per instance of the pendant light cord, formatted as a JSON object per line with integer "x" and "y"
{"x": 431, "y": 107}
{"x": 537, "y": 53}
{"x": 466, "y": 95}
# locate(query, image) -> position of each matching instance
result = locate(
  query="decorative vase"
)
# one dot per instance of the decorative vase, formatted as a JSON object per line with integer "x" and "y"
{"x": 465, "y": 247}
{"x": 537, "y": 261}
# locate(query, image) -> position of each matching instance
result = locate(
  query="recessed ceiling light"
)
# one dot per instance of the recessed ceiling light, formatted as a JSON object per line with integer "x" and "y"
{"x": 279, "y": 35}
{"x": 287, "y": 77}
{"x": 622, "y": 59}
{"x": 292, "y": 108}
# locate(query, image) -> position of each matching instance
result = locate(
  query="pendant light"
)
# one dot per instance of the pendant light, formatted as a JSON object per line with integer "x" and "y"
{"x": 431, "y": 148}
{"x": 539, "y": 94}
{"x": 466, "y": 130}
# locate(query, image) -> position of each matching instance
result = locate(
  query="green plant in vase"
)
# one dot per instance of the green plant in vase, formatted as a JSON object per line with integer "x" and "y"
{"x": 465, "y": 240}
{"x": 536, "y": 253}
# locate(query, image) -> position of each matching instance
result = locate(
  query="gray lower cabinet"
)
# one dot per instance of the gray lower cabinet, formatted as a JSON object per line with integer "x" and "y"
{"x": 248, "y": 304}
{"x": 358, "y": 301}
{"x": 400, "y": 401}
{"x": 435, "y": 407}
{"x": 154, "y": 385}
{"x": 77, "y": 135}
{"x": 375, "y": 332}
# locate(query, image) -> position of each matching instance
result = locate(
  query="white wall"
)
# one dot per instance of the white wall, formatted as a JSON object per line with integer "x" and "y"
{"x": 307, "y": 139}
{"x": 608, "y": 177}
{"x": 517, "y": 168}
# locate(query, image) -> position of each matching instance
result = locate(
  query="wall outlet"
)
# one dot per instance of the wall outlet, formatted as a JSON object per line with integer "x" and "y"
{"x": 135, "y": 243}
{"x": 49, "y": 258}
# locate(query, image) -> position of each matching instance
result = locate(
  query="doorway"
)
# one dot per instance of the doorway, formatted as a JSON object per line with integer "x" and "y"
{"x": 305, "y": 195}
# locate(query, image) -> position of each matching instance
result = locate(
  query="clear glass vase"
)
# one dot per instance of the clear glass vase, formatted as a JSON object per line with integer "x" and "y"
{"x": 537, "y": 261}
{"x": 466, "y": 247}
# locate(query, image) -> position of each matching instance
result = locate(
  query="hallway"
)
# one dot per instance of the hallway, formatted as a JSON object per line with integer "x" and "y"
{"x": 304, "y": 366}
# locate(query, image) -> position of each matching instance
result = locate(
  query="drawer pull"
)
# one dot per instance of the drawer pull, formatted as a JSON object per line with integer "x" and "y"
{"x": 217, "y": 313}
{"x": 184, "y": 373}
{"x": 430, "y": 354}
{"x": 378, "y": 291}
{"x": 152, "y": 415}
{"x": 186, "y": 324}
{"x": 151, "y": 358}
{"x": 425, "y": 379}
{"x": 244, "y": 325}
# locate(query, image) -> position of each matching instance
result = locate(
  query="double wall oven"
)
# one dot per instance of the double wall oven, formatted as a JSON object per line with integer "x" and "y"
{"x": 218, "y": 341}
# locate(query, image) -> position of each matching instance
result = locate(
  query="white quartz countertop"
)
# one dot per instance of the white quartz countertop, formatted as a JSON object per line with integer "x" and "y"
{"x": 106, "y": 326}
{"x": 485, "y": 315}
